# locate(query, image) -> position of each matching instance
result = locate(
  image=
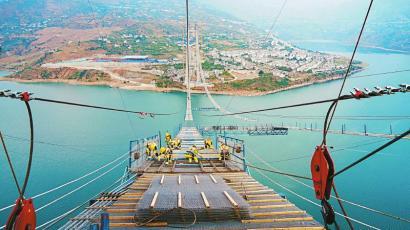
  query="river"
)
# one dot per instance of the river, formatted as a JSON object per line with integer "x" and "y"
{"x": 77, "y": 140}
{"x": 4, "y": 73}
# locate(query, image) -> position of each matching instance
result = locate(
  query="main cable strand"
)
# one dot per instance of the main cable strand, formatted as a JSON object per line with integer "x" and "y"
{"x": 31, "y": 150}
{"x": 98, "y": 107}
{"x": 350, "y": 64}
{"x": 10, "y": 164}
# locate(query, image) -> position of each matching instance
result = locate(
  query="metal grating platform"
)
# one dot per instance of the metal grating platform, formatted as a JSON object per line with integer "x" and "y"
{"x": 208, "y": 196}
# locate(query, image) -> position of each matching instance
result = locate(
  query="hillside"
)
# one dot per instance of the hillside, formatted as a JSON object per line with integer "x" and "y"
{"x": 140, "y": 45}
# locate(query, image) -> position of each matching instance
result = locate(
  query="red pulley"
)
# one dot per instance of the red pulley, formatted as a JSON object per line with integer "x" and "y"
{"x": 23, "y": 216}
{"x": 322, "y": 169}
{"x": 25, "y": 96}
{"x": 358, "y": 94}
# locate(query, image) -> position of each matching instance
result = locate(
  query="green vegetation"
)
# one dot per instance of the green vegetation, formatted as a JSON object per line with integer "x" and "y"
{"x": 321, "y": 75}
{"x": 340, "y": 71}
{"x": 179, "y": 66}
{"x": 41, "y": 60}
{"x": 285, "y": 68}
{"x": 15, "y": 43}
{"x": 226, "y": 74}
{"x": 262, "y": 74}
{"x": 225, "y": 42}
{"x": 262, "y": 84}
{"x": 139, "y": 44}
{"x": 78, "y": 75}
{"x": 283, "y": 82}
{"x": 45, "y": 74}
{"x": 164, "y": 82}
{"x": 209, "y": 65}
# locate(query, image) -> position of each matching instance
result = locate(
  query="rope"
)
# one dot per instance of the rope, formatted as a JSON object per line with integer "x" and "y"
{"x": 341, "y": 98}
{"x": 310, "y": 201}
{"x": 341, "y": 206}
{"x": 216, "y": 105}
{"x": 359, "y": 117}
{"x": 69, "y": 146}
{"x": 360, "y": 205}
{"x": 57, "y": 219}
{"x": 268, "y": 170}
{"x": 280, "y": 107}
{"x": 337, "y": 198}
{"x": 187, "y": 49}
{"x": 382, "y": 73}
{"x": 30, "y": 159}
{"x": 10, "y": 165}
{"x": 333, "y": 151}
{"x": 80, "y": 187}
{"x": 350, "y": 65}
{"x": 333, "y": 107}
{"x": 100, "y": 107}
{"x": 62, "y": 146}
{"x": 373, "y": 152}
{"x": 97, "y": 25}
{"x": 132, "y": 127}
{"x": 276, "y": 19}
{"x": 69, "y": 182}
{"x": 11, "y": 221}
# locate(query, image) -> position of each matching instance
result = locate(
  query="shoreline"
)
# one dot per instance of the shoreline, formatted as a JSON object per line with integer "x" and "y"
{"x": 119, "y": 85}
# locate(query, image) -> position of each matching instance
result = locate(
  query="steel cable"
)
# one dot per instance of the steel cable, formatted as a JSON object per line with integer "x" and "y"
{"x": 80, "y": 187}
{"x": 69, "y": 182}
{"x": 310, "y": 201}
{"x": 99, "y": 107}
{"x": 343, "y": 200}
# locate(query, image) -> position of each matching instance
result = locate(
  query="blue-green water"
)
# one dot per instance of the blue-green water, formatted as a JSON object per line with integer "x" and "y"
{"x": 92, "y": 138}
{"x": 4, "y": 73}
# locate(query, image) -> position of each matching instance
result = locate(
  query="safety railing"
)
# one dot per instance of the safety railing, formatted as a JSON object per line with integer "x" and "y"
{"x": 137, "y": 156}
{"x": 252, "y": 130}
{"x": 176, "y": 130}
{"x": 237, "y": 150}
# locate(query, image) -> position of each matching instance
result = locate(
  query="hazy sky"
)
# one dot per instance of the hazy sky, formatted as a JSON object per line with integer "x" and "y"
{"x": 262, "y": 12}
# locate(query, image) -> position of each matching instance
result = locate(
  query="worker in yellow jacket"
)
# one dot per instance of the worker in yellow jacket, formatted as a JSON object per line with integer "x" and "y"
{"x": 168, "y": 155}
{"x": 177, "y": 144}
{"x": 168, "y": 137}
{"x": 208, "y": 143}
{"x": 224, "y": 152}
{"x": 192, "y": 154}
{"x": 152, "y": 149}
{"x": 162, "y": 152}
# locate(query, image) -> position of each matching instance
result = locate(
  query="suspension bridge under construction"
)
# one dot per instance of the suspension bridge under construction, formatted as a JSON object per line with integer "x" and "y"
{"x": 211, "y": 193}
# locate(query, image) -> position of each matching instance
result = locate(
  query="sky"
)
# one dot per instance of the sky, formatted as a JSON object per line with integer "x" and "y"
{"x": 338, "y": 21}
{"x": 262, "y": 12}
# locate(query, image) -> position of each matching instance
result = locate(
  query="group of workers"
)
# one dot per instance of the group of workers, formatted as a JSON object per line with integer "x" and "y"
{"x": 165, "y": 152}
{"x": 191, "y": 155}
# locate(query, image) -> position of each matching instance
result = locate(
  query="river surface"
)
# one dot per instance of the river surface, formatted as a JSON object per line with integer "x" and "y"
{"x": 72, "y": 141}
{"x": 4, "y": 73}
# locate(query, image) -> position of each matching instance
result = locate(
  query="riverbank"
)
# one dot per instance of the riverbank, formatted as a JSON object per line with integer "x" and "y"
{"x": 148, "y": 87}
